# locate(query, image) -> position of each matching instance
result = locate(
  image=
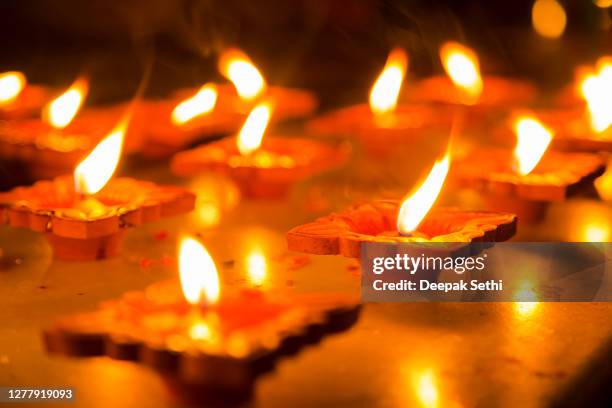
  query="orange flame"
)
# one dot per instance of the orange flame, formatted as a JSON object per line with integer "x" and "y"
{"x": 415, "y": 207}
{"x": 386, "y": 89}
{"x": 237, "y": 67}
{"x": 60, "y": 111}
{"x": 532, "y": 141}
{"x": 201, "y": 103}
{"x": 251, "y": 134}
{"x": 596, "y": 88}
{"x": 462, "y": 66}
{"x": 198, "y": 273}
{"x": 92, "y": 174}
{"x": 11, "y": 85}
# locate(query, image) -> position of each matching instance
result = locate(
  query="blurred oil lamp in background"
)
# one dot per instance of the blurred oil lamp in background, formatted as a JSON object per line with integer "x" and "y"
{"x": 51, "y": 146}
{"x": 18, "y": 98}
{"x": 171, "y": 124}
{"x": 382, "y": 124}
{"x": 261, "y": 167}
{"x": 586, "y": 124}
{"x": 525, "y": 180}
{"x": 84, "y": 216}
{"x": 202, "y": 336}
{"x": 248, "y": 86}
{"x": 412, "y": 220}
{"x": 465, "y": 85}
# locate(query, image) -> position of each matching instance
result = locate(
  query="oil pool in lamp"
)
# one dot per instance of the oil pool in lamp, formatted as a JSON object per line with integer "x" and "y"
{"x": 203, "y": 337}
{"x": 412, "y": 220}
{"x": 529, "y": 177}
{"x": 587, "y": 125}
{"x": 84, "y": 216}
{"x": 465, "y": 85}
{"x": 380, "y": 125}
{"x": 18, "y": 98}
{"x": 261, "y": 167}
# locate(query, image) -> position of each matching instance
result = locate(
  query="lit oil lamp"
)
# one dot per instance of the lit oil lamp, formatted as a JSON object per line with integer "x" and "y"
{"x": 401, "y": 222}
{"x": 200, "y": 335}
{"x": 587, "y": 124}
{"x": 170, "y": 125}
{"x": 260, "y": 167}
{"x": 51, "y": 146}
{"x": 465, "y": 85}
{"x": 248, "y": 86}
{"x": 18, "y": 99}
{"x": 529, "y": 177}
{"x": 382, "y": 124}
{"x": 84, "y": 217}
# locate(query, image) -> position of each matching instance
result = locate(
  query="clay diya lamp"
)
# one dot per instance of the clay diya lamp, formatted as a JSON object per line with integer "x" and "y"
{"x": 382, "y": 125}
{"x": 84, "y": 217}
{"x": 482, "y": 97}
{"x": 410, "y": 221}
{"x": 248, "y": 87}
{"x": 18, "y": 98}
{"x": 172, "y": 124}
{"x": 203, "y": 339}
{"x": 260, "y": 167}
{"x": 529, "y": 178}
{"x": 588, "y": 124}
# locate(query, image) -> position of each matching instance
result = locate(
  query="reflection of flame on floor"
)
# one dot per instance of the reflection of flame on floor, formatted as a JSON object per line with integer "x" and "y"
{"x": 527, "y": 303}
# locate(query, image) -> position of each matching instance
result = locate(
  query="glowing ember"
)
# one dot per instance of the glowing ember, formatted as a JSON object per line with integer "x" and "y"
{"x": 548, "y": 18}
{"x": 236, "y": 66}
{"x": 11, "y": 85}
{"x": 251, "y": 134}
{"x": 596, "y": 88}
{"x": 384, "y": 94}
{"x": 532, "y": 141}
{"x": 60, "y": 112}
{"x": 198, "y": 273}
{"x": 92, "y": 174}
{"x": 201, "y": 103}
{"x": 416, "y": 206}
{"x": 462, "y": 66}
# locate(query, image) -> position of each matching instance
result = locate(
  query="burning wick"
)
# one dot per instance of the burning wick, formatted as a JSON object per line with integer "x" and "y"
{"x": 60, "y": 111}
{"x": 251, "y": 133}
{"x": 201, "y": 288}
{"x": 11, "y": 85}
{"x": 203, "y": 102}
{"x": 532, "y": 141}
{"x": 386, "y": 89}
{"x": 415, "y": 207}
{"x": 94, "y": 172}
{"x": 462, "y": 66}
{"x": 236, "y": 66}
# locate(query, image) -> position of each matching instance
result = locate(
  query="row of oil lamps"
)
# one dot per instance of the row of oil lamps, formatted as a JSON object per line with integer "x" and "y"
{"x": 206, "y": 339}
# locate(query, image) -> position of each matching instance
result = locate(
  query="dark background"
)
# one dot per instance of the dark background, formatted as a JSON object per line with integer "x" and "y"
{"x": 335, "y": 47}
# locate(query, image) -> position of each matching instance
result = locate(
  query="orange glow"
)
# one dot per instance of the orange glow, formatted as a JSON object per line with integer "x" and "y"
{"x": 251, "y": 134}
{"x": 415, "y": 207}
{"x": 92, "y": 174}
{"x": 384, "y": 94}
{"x": 426, "y": 389}
{"x": 548, "y": 18}
{"x": 462, "y": 66}
{"x": 199, "y": 104}
{"x": 11, "y": 85}
{"x": 596, "y": 89}
{"x": 60, "y": 111}
{"x": 528, "y": 300}
{"x": 198, "y": 273}
{"x": 237, "y": 67}
{"x": 603, "y": 3}
{"x": 532, "y": 141}
{"x": 257, "y": 267}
